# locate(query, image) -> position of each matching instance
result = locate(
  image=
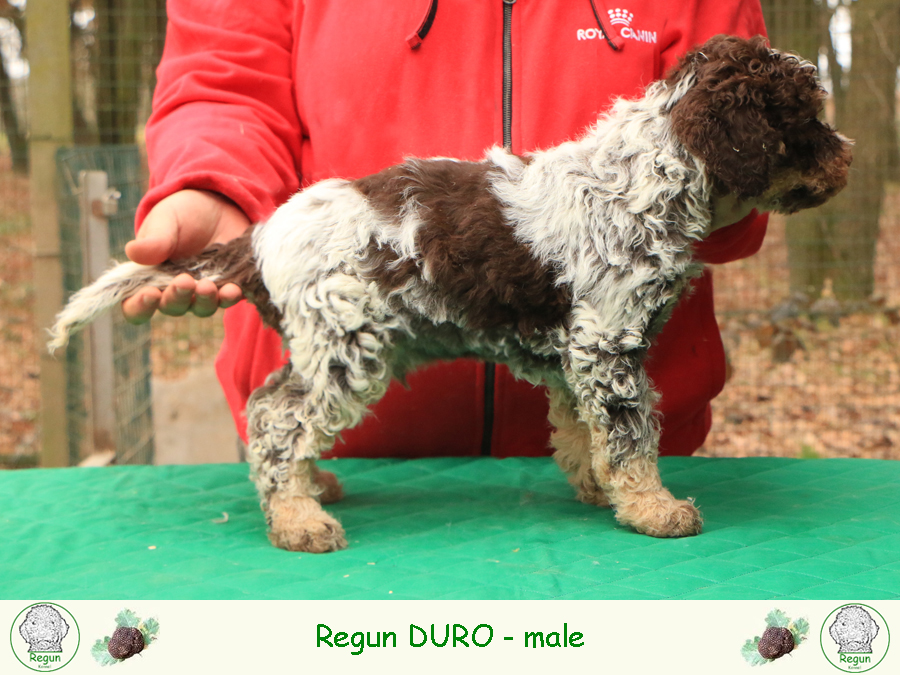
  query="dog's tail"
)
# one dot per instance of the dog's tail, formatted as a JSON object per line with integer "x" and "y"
{"x": 232, "y": 262}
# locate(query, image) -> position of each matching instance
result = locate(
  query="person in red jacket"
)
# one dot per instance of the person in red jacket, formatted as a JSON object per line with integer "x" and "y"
{"x": 257, "y": 100}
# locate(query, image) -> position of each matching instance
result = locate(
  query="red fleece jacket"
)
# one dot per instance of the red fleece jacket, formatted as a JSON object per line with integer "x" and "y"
{"x": 255, "y": 100}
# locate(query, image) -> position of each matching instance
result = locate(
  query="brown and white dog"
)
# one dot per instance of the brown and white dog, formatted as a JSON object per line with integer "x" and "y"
{"x": 563, "y": 264}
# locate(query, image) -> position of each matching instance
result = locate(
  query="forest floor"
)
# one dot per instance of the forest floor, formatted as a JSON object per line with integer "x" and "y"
{"x": 808, "y": 383}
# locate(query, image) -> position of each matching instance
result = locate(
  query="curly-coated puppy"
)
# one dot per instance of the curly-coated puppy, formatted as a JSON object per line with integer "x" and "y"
{"x": 562, "y": 264}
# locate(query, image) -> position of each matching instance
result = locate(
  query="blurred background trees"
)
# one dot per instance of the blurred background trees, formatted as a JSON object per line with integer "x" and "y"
{"x": 12, "y": 32}
{"x": 857, "y": 47}
{"x": 116, "y": 45}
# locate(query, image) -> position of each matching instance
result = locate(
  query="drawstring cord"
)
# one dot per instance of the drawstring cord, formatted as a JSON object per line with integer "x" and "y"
{"x": 415, "y": 40}
{"x": 613, "y": 41}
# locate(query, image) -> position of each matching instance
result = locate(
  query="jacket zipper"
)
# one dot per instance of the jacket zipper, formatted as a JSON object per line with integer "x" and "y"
{"x": 490, "y": 368}
{"x": 507, "y": 73}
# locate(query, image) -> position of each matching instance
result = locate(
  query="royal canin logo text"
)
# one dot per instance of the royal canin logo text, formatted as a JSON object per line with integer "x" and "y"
{"x": 621, "y": 20}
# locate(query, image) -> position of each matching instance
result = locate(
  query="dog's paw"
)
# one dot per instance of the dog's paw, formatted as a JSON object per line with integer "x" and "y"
{"x": 332, "y": 490}
{"x": 659, "y": 514}
{"x": 300, "y": 524}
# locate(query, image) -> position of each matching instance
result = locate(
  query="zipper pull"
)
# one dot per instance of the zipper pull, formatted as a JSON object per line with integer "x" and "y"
{"x": 415, "y": 39}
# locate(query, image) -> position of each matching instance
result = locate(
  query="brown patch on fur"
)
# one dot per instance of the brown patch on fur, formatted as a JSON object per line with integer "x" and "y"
{"x": 751, "y": 114}
{"x": 466, "y": 247}
{"x": 235, "y": 262}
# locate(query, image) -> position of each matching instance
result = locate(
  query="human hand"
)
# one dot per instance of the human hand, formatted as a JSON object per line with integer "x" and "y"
{"x": 179, "y": 226}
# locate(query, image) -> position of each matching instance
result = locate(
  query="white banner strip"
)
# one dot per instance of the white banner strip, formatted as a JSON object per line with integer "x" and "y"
{"x": 671, "y": 637}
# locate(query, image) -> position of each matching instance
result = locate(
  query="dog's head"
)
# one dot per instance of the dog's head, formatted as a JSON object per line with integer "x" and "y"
{"x": 853, "y": 624}
{"x": 750, "y": 114}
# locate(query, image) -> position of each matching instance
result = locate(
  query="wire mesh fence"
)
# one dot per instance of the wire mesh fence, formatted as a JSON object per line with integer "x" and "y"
{"x": 810, "y": 323}
{"x": 132, "y": 433}
{"x": 115, "y": 46}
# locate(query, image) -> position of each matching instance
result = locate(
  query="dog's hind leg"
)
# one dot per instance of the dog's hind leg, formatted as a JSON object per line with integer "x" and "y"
{"x": 325, "y": 483}
{"x": 571, "y": 440}
{"x": 615, "y": 400}
{"x": 335, "y": 374}
{"x": 281, "y": 452}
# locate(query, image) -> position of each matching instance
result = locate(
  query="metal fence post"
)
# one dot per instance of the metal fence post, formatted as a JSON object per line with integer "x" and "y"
{"x": 97, "y": 202}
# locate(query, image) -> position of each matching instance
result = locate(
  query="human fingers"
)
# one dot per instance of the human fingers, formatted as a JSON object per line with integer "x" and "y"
{"x": 230, "y": 294}
{"x": 178, "y": 297}
{"x": 206, "y": 298}
{"x": 141, "y": 306}
{"x": 203, "y": 302}
{"x": 181, "y": 225}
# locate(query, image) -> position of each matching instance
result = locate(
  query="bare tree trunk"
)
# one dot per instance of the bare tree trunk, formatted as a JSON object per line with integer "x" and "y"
{"x": 870, "y": 114}
{"x": 83, "y": 74}
{"x": 18, "y": 143}
{"x": 801, "y": 26}
{"x": 119, "y": 69}
{"x": 130, "y": 35}
{"x": 795, "y": 25}
{"x": 837, "y": 241}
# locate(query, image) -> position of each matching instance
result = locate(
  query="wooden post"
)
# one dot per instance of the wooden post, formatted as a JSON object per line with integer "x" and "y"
{"x": 50, "y": 116}
{"x": 95, "y": 202}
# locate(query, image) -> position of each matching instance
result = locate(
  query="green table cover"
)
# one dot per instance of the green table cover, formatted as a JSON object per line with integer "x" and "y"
{"x": 454, "y": 528}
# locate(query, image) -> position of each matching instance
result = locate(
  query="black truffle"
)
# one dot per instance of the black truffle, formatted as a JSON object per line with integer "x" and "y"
{"x": 775, "y": 643}
{"x": 125, "y": 643}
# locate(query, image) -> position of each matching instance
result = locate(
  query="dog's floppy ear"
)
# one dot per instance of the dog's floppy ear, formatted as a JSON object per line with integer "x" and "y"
{"x": 722, "y": 119}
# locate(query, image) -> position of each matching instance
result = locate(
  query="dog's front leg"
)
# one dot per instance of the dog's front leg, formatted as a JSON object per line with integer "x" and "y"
{"x": 614, "y": 399}
{"x": 282, "y": 449}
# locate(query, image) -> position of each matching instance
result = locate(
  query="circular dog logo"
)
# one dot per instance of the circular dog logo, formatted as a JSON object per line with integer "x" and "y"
{"x": 855, "y": 638}
{"x": 45, "y": 637}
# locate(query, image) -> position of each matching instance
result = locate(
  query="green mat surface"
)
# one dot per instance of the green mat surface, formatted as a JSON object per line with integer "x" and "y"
{"x": 454, "y": 528}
